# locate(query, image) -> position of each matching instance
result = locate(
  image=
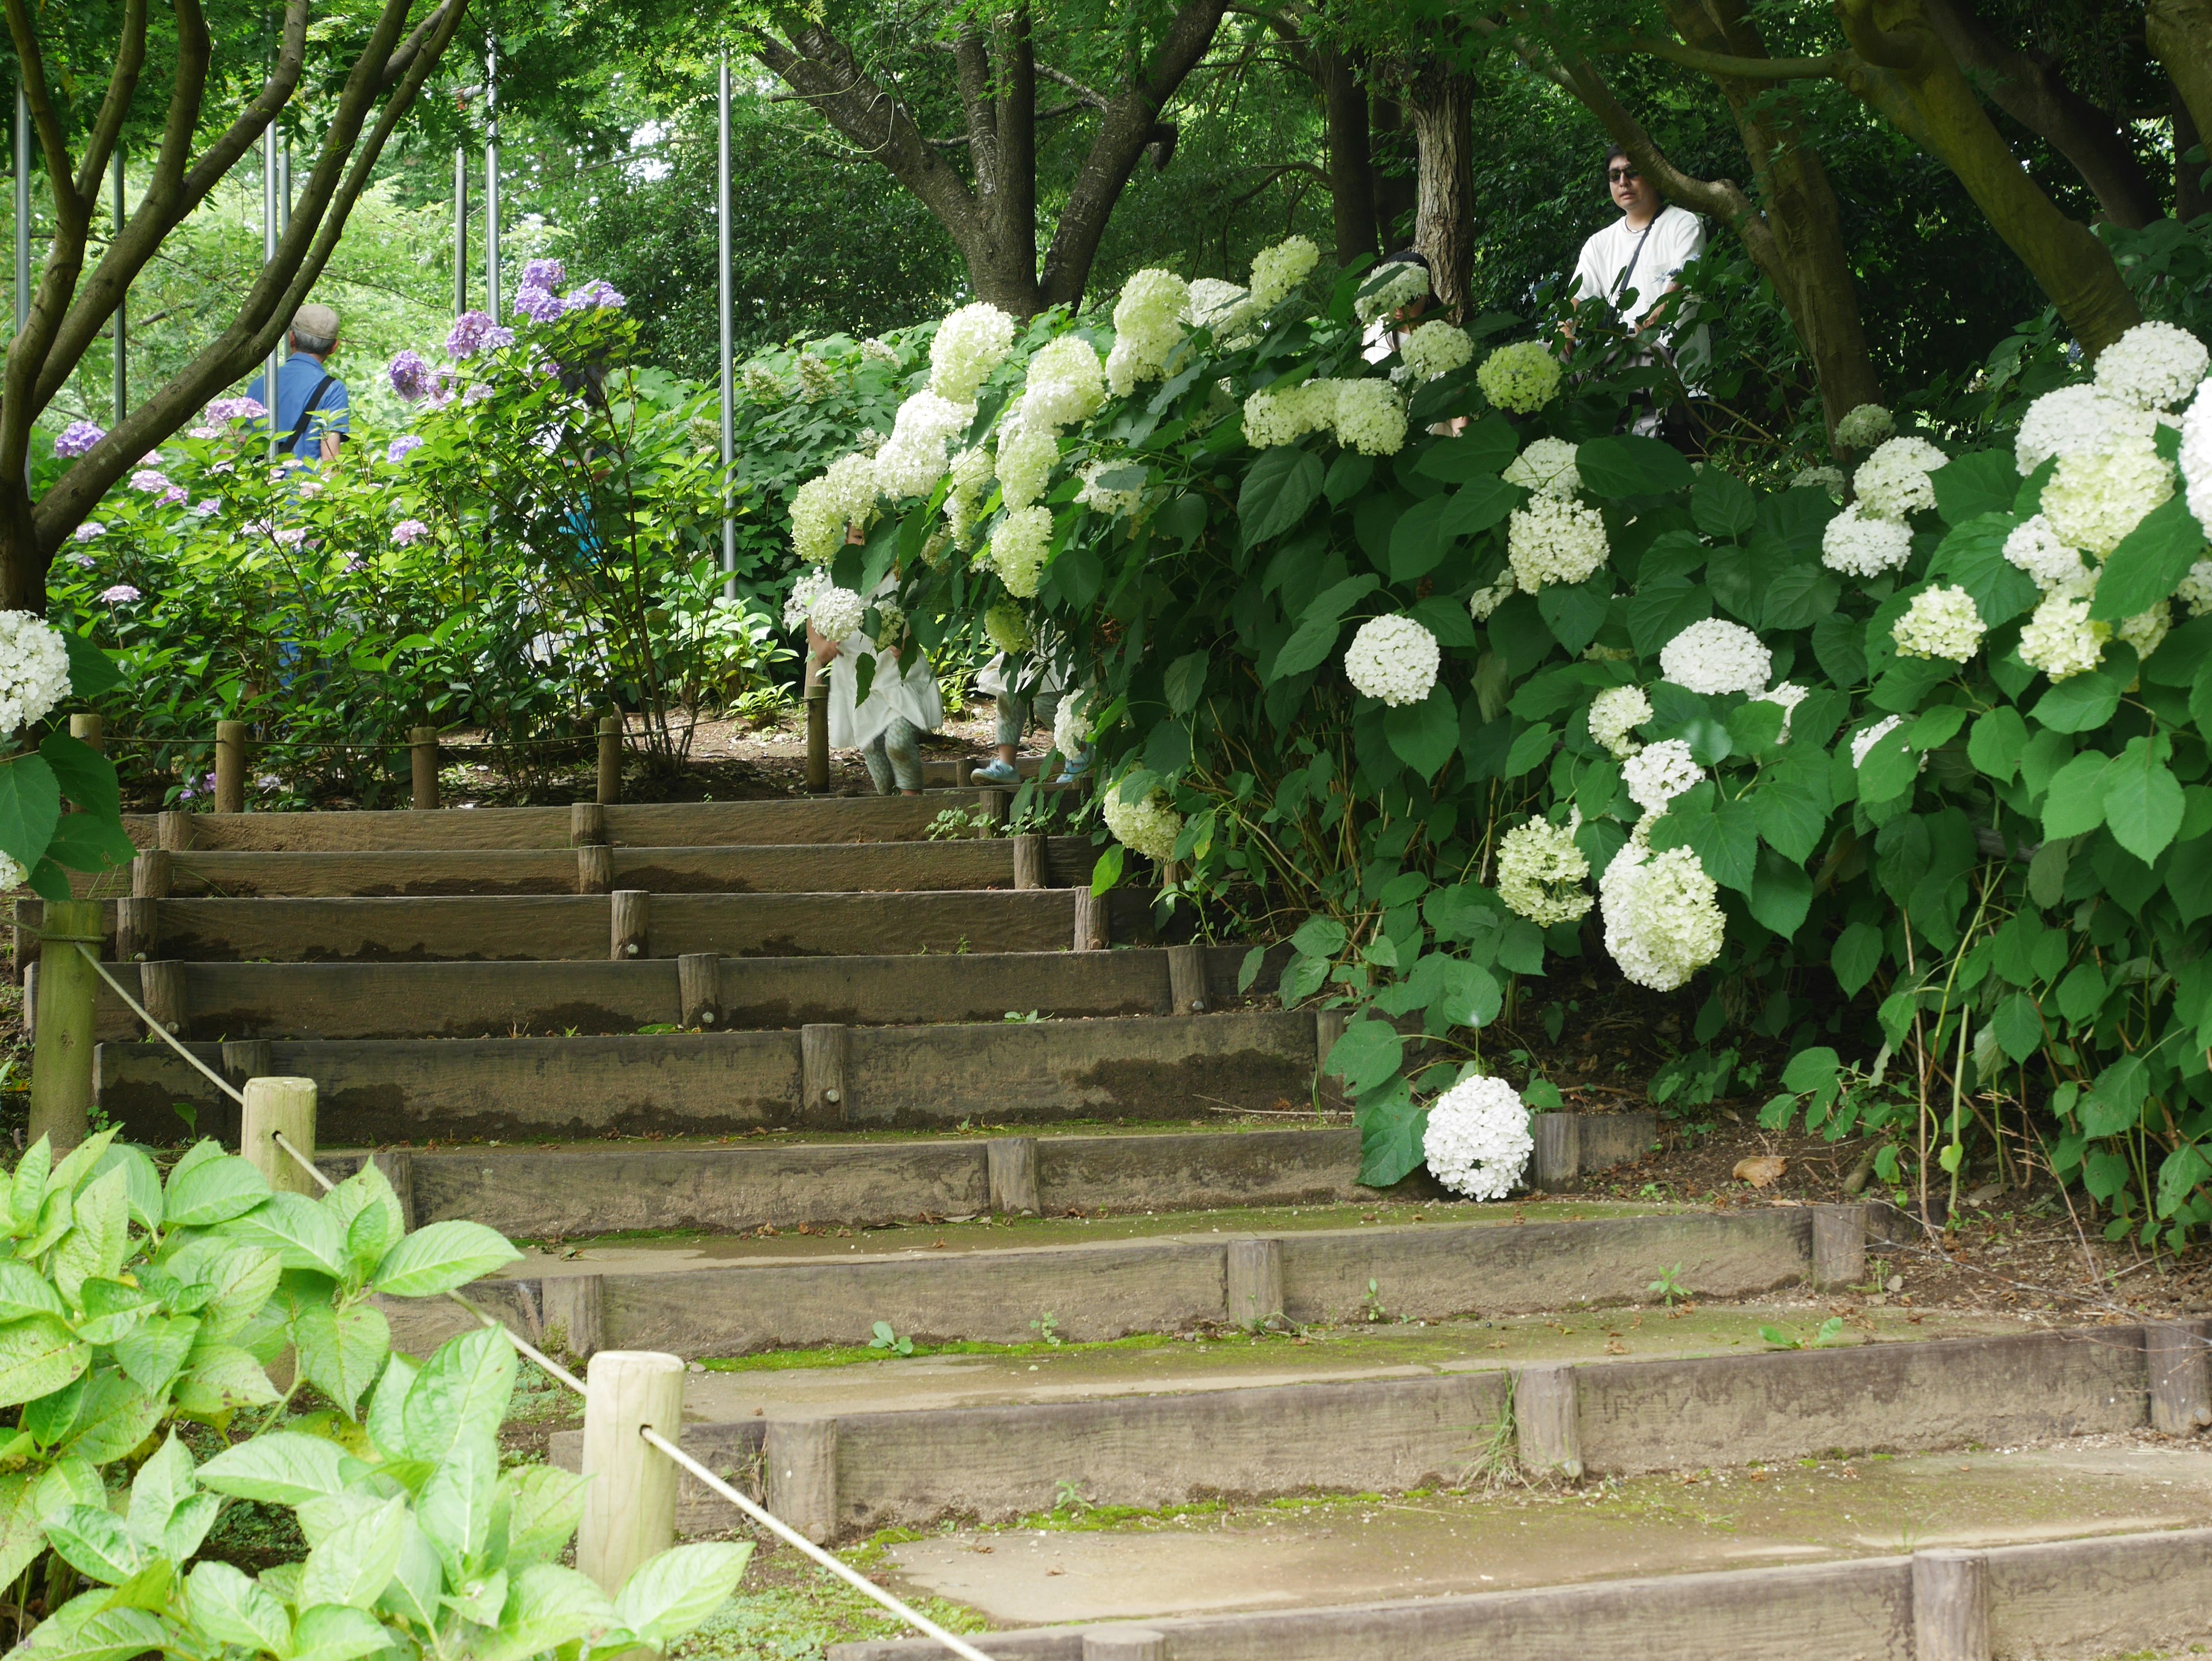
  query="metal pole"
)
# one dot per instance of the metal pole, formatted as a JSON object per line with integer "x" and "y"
{"x": 460, "y": 230}
{"x": 491, "y": 177}
{"x": 269, "y": 157}
{"x": 284, "y": 190}
{"x": 724, "y": 300}
{"x": 122, "y": 327}
{"x": 22, "y": 209}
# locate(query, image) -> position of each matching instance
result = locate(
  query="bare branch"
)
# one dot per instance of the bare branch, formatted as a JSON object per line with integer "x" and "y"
{"x": 1091, "y": 95}
{"x": 1833, "y": 67}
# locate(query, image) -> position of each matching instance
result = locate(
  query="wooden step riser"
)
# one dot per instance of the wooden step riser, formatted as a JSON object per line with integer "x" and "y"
{"x": 322, "y": 1001}
{"x": 2124, "y": 1594}
{"x": 581, "y": 927}
{"x": 724, "y": 1084}
{"x": 1095, "y": 1293}
{"x": 808, "y": 868}
{"x": 638, "y": 1187}
{"x": 846, "y": 1476}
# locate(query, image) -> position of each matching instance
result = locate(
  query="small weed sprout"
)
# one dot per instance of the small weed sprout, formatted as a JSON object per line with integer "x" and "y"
{"x": 1047, "y": 1329}
{"x": 1668, "y": 1286}
{"x": 889, "y": 1341}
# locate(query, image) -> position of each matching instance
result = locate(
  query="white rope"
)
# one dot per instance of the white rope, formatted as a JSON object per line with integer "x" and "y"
{"x": 768, "y": 1519}
{"x": 161, "y": 1032}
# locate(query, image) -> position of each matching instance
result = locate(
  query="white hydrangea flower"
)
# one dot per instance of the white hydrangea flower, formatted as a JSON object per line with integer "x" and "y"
{"x": 1662, "y": 917}
{"x": 1659, "y": 773}
{"x": 1370, "y": 418}
{"x": 1149, "y": 827}
{"x": 1436, "y": 348}
{"x": 2060, "y": 639}
{"x": 2101, "y": 491}
{"x": 1941, "y": 623}
{"x": 816, "y": 380}
{"x": 1019, "y": 542}
{"x": 1894, "y": 480}
{"x": 1100, "y": 500}
{"x": 1789, "y": 694}
{"x": 1524, "y": 377}
{"x": 1547, "y": 464}
{"x": 2071, "y": 418}
{"x": 1148, "y": 322}
{"x": 2196, "y": 589}
{"x": 969, "y": 345}
{"x": 1008, "y": 627}
{"x": 1867, "y": 738}
{"x": 1864, "y": 427}
{"x": 823, "y": 508}
{"x": 801, "y": 597}
{"x": 2146, "y": 631}
{"x": 1071, "y": 724}
{"x": 1477, "y": 1140}
{"x": 1393, "y": 658}
{"x": 1026, "y": 455}
{"x": 2034, "y": 547}
{"x": 972, "y": 474}
{"x": 1214, "y": 304}
{"x": 1715, "y": 655}
{"x": 1552, "y": 540}
{"x": 1277, "y": 270}
{"x": 1614, "y": 716}
{"x": 913, "y": 460}
{"x": 836, "y": 613}
{"x": 12, "y": 875}
{"x": 1540, "y": 874}
{"x": 1065, "y": 384}
{"x": 1483, "y": 601}
{"x": 1830, "y": 479}
{"x": 1389, "y": 287}
{"x": 2196, "y": 458}
{"x": 1861, "y": 546}
{"x": 34, "y": 671}
{"x": 2152, "y": 365}
{"x": 1287, "y": 414}
{"x": 1598, "y": 652}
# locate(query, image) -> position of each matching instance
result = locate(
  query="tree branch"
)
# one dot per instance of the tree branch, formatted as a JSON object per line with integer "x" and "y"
{"x": 1730, "y": 66}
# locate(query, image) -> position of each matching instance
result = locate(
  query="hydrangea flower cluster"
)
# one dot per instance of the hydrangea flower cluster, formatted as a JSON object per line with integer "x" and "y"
{"x": 1941, "y": 623}
{"x": 913, "y": 460}
{"x": 836, "y": 612}
{"x": 1614, "y": 716}
{"x": 2196, "y": 589}
{"x": 473, "y": 333}
{"x": 409, "y": 531}
{"x": 1540, "y": 874}
{"x": 1477, "y": 1140}
{"x": 1008, "y": 627}
{"x": 1524, "y": 377}
{"x": 150, "y": 480}
{"x": 823, "y": 508}
{"x": 1663, "y": 918}
{"x": 1149, "y": 827}
{"x": 2060, "y": 639}
{"x": 2034, "y": 547}
{"x": 1893, "y": 482}
{"x": 1714, "y": 655}
{"x": 1866, "y": 738}
{"x": 1018, "y": 544}
{"x": 1830, "y": 479}
{"x": 1214, "y": 304}
{"x": 1860, "y": 545}
{"x": 890, "y": 625}
{"x": 91, "y": 530}
{"x": 1483, "y": 601}
{"x": 1370, "y": 418}
{"x": 121, "y": 594}
{"x": 2196, "y": 459}
{"x": 1393, "y": 658}
{"x": 402, "y": 446}
{"x": 2154, "y": 366}
{"x": 1026, "y": 455}
{"x": 1551, "y": 540}
{"x": 547, "y": 274}
{"x": 2100, "y": 491}
{"x": 2073, "y": 419}
{"x": 1436, "y": 348}
{"x": 1788, "y": 694}
{"x": 1864, "y": 426}
{"x": 1064, "y": 385}
{"x": 1071, "y": 724}
{"x": 2146, "y": 631}
{"x": 540, "y": 305}
{"x": 1100, "y": 500}
{"x": 34, "y": 670}
{"x": 1659, "y": 773}
{"x": 1277, "y": 270}
{"x": 594, "y": 294}
{"x": 1547, "y": 465}
{"x": 1388, "y": 288}
{"x": 76, "y": 438}
{"x": 1148, "y": 323}
{"x": 972, "y": 472}
{"x": 1365, "y": 416}
{"x": 224, "y": 411}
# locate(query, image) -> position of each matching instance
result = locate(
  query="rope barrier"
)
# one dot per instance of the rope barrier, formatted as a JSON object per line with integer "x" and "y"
{"x": 153, "y": 1026}
{"x": 758, "y": 1513}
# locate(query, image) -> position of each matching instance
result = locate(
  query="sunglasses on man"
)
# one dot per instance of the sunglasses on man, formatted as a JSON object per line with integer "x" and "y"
{"x": 1621, "y": 175}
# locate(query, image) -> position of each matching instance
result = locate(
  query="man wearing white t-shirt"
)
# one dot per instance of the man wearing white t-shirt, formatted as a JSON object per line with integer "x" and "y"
{"x": 1634, "y": 265}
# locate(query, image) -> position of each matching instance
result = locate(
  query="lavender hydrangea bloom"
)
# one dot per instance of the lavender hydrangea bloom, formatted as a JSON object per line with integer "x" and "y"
{"x": 91, "y": 531}
{"x": 84, "y": 562}
{"x": 202, "y": 508}
{"x": 402, "y": 446}
{"x": 411, "y": 376}
{"x": 478, "y": 393}
{"x": 475, "y": 332}
{"x": 594, "y": 293}
{"x": 151, "y": 482}
{"x": 408, "y": 531}
{"x": 172, "y": 497}
{"x": 540, "y": 305}
{"x": 236, "y": 409}
{"x": 548, "y": 274}
{"x": 78, "y": 437}
{"x": 121, "y": 594}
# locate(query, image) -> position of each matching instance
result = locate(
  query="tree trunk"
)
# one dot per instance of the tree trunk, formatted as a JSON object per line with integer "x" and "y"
{"x": 2179, "y": 36}
{"x": 1391, "y": 166}
{"x": 1351, "y": 169}
{"x": 2190, "y": 199}
{"x": 22, "y": 564}
{"x": 1440, "y": 103}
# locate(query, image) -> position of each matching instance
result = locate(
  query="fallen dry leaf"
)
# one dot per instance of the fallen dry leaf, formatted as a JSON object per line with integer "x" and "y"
{"x": 1614, "y": 1347}
{"x": 1761, "y": 1172}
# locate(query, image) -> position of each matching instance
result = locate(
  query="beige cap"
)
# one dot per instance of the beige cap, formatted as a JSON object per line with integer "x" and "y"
{"x": 316, "y": 322}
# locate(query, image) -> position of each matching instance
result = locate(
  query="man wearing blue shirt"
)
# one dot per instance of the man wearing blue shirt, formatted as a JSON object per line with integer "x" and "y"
{"x": 311, "y": 401}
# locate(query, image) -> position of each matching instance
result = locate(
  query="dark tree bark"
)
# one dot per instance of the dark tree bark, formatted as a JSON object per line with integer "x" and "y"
{"x": 1390, "y": 159}
{"x": 2190, "y": 199}
{"x": 991, "y": 212}
{"x": 69, "y": 308}
{"x": 1351, "y": 167}
{"x": 1439, "y": 106}
{"x": 2179, "y": 36}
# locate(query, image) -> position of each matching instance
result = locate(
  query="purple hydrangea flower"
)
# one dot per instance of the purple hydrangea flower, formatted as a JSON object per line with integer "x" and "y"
{"x": 409, "y": 531}
{"x": 89, "y": 530}
{"x": 205, "y": 506}
{"x": 475, "y": 332}
{"x": 78, "y": 437}
{"x": 411, "y": 376}
{"x": 402, "y": 447}
{"x": 121, "y": 594}
{"x": 291, "y": 536}
{"x": 478, "y": 393}
{"x": 311, "y": 490}
{"x": 204, "y": 432}
{"x": 149, "y": 481}
{"x": 548, "y": 274}
{"x": 540, "y": 305}
{"x": 269, "y": 781}
{"x": 172, "y": 497}
{"x": 83, "y": 562}
{"x": 236, "y": 409}
{"x": 594, "y": 293}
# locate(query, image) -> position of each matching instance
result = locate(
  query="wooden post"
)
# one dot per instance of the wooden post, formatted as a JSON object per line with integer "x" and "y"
{"x": 161, "y": 990}
{"x": 23, "y": 951}
{"x": 1187, "y": 979}
{"x": 1029, "y": 860}
{"x": 247, "y": 1059}
{"x": 1328, "y": 1027}
{"x": 595, "y": 868}
{"x": 151, "y": 873}
{"x": 800, "y": 1461}
{"x": 1558, "y": 1159}
{"x": 1172, "y": 872}
{"x": 138, "y": 930}
{"x": 2174, "y": 1358}
{"x": 62, "y": 1047}
{"x": 574, "y": 1312}
{"x": 1090, "y": 929}
{"x": 1547, "y": 1420}
{"x": 1010, "y": 1165}
{"x": 587, "y": 824}
{"x": 283, "y": 1107}
{"x": 816, "y": 700}
{"x": 699, "y": 988}
{"x": 963, "y": 772}
{"x": 422, "y": 758}
{"x": 230, "y": 766}
{"x": 173, "y": 828}
{"x": 629, "y": 1509}
{"x": 1125, "y": 1644}
{"x": 1950, "y": 1606}
{"x": 89, "y": 728}
{"x": 1255, "y": 1281}
{"x": 611, "y": 749}
{"x": 632, "y": 914}
{"x": 1838, "y": 1246}
{"x": 822, "y": 1091}
{"x": 994, "y": 806}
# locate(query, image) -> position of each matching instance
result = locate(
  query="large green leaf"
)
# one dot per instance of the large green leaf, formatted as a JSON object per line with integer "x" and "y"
{"x": 92, "y": 672}
{"x": 460, "y": 1396}
{"x": 1281, "y": 485}
{"x": 1781, "y": 893}
{"x": 2143, "y": 802}
{"x": 1477, "y": 505}
{"x": 1725, "y": 837}
{"x": 1980, "y": 482}
{"x": 1722, "y": 503}
{"x": 1319, "y": 625}
{"x": 1425, "y": 735}
{"x": 1391, "y": 1128}
{"x": 2149, "y": 562}
{"x": 233, "y": 1608}
{"x": 1799, "y": 596}
{"x": 2074, "y": 804}
{"x": 670, "y": 1595}
{"x": 1791, "y": 817}
{"x": 1630, "y": 466}
{"x": 441, "y": 1257}
{"x": 1575, "y": 612}
{"x": 30, "y": 808}
{"x": 1367, "y": 1053}
{"x": 1418, "y": 541}
{"x": 281, "y": 1468}
{"x": 1658, "y": 611}
{"x": 342, "y": 1350}
{"x": 38, "y": 1356}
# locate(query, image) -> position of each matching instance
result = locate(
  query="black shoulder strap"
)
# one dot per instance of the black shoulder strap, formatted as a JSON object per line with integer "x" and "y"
{"x": 1626, "y": 271}
{"x": 307, "y": 410}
